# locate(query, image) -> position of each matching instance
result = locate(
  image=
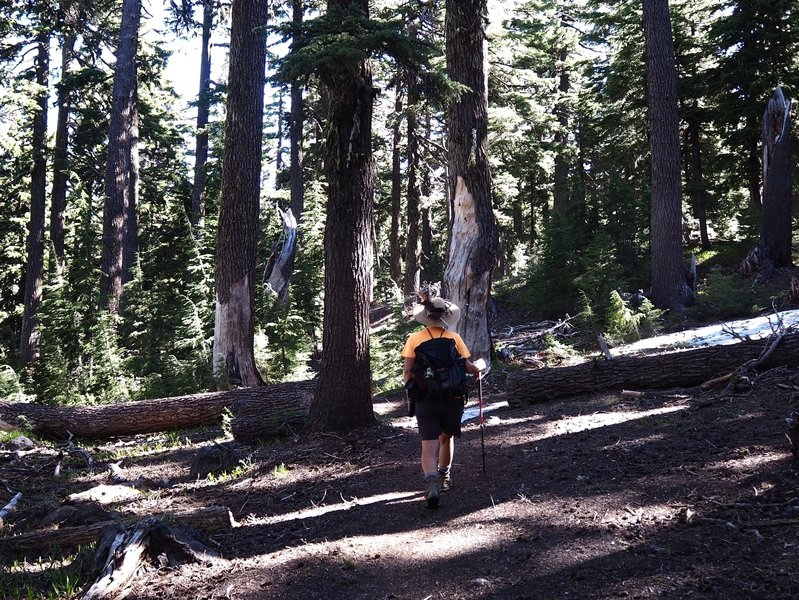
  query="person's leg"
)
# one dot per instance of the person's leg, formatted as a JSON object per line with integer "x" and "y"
{"x": 430, "y": 453}
{"x": 431, "y": 482}
{"x": 429, "y": 429}
{"x": 446, "y": 450}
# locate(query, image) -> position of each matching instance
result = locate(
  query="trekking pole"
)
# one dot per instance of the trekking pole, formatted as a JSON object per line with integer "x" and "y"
{"x": 482, "y": 422}
{"x": 481, "y": 364}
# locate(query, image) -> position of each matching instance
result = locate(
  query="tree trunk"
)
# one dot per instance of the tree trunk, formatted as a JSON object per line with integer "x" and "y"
{"x": 203, "y": 111}
{"x": 669, "y": 289}
{"x": 472, "y": 245}
{"x": 147, "y": 542}
{"x": 164, "y": 414}
{"x": 426, "y": 216}
{"x": 696, "y": 179}
{"x": 687, "y": 368}
{"x": 118, "y": 166}
{"x": 296, "y": 129}
{"x": 279, "y": 273}
{"x": 775, "y": 216}
{"x": 279, "y": 141}
{"x": 345, "y": 392}
{"x": 237, "y": 238}
{"x": 395, "y": 255}
{"x": 130, "y": 246}
{"x": 58, "y": 204}
{"x": 34, "y": 270}
{"x": 560, "y": 195}
{"x": 752, "y": 162}
{"x": 412, "y": 239}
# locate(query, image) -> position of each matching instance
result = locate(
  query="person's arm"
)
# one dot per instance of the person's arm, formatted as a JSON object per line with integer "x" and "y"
{"x": 407, "y": 372}
{"x": 471, "y": 367}
{"x": 461, "y": 348}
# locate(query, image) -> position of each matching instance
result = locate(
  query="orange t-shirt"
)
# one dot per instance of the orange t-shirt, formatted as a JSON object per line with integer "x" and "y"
{"x": 417, "y": 337}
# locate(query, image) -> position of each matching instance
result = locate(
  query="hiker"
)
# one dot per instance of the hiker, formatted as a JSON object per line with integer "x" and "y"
{"x": 438, "y": 414}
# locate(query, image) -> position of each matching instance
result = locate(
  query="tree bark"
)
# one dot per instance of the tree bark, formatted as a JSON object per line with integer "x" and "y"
{"x": 344, "y": 401}
{"x": 283, "y": 412}
{"x": 203, "y": 111}
{"x": 237, "y": 238}
{"x": 669, "y": 289}
{"x": 472, "y": 245}
{"x": 560, "y": 195}
{"x": 695, "y": 177}
{"x": 412, "y": 239}
{"x": 775, "y": 216}
{"x": 687, "y": 368}
{"x": 425, "y": 273}
{"x": 279, "y": 141}
{"x": 117, "y": 184}
{"x": 147, "y": 541}
{"x": 130, "y": 245}
{"x": 752, "y": 165}
{"x": 148, "y": 416}
{"x": 279, "y": 274}
{"x": 58, "y": 204}
{"x": 34, "y": 270}
{"x": 395, "y": 255}
{"x": 297, "y": 123}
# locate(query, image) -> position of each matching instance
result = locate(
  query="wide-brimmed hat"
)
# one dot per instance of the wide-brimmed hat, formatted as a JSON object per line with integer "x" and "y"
{"x": 437, "y": 312}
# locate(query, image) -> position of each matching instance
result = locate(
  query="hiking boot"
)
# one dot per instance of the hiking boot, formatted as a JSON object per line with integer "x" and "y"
{"x": 431, "y": 491}
{"x": 444, "y": 481}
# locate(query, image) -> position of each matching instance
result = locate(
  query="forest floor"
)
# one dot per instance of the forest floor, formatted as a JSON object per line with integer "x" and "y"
{"x": 596, "y": 496}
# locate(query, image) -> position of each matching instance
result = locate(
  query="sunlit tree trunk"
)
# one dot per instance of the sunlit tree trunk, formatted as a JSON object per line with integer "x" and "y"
{"x": 119, "y": 157}
{"x": 237, "y": 238}
{"x": 473, "y": 245}
{"x": 344, "y": 401}
{"x": 34, "y": 270}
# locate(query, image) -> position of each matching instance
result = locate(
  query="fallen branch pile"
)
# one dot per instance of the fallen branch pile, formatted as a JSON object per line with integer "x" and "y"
{"x": 523, "y": 342}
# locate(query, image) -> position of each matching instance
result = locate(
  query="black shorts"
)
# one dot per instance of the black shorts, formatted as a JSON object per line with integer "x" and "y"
{"x": 435, "y": 416}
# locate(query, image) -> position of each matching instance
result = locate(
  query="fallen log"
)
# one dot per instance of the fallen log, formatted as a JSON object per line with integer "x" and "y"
{"x": 256, "y": 419}
{"x": 684, "y": 368}
{"x": 211, "y": 519}
{"x": 150, "y": 416}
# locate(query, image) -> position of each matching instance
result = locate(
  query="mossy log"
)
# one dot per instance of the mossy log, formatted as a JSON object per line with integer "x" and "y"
{"x": 674, "y": 369}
